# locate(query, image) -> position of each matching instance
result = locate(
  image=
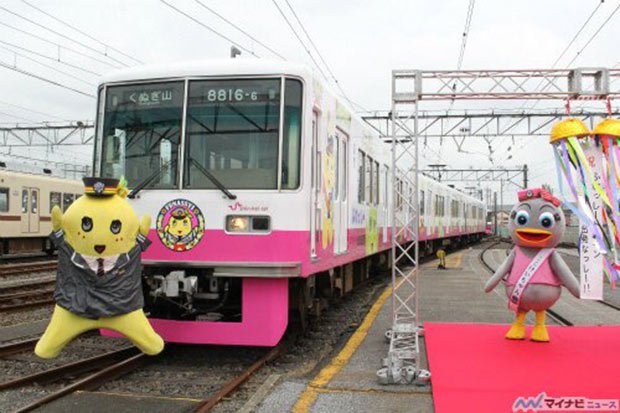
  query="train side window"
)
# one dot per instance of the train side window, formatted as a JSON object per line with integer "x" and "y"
{"x": 291, "y": 140}
{"x": 369, "y": 181}
{"x": 34, "y": 202}
{"x": 336, "y": 166}
{"x": 55, "y": 199}
{"x": 377, "y": 186}
{"x": 345, "y": 169}
{"x": 361, "y": 172}
{"x": 24, "y": 201}
{"x": 386, "y": 179}
{"x": 4, "y": 199}
{"x": 421, "y": 202}
{"x": 67, "y": 200}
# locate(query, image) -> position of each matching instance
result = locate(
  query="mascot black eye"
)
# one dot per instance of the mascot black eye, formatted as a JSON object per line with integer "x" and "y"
{"x": 522, "y": 218}
{"x": 546, "y": 220}
{"x": 116, "y": 226}
{"x": 87, "y": 224}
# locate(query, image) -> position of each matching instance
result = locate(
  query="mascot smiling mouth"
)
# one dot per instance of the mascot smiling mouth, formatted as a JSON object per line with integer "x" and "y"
{"x": 99, "y": 248}
{"x": 533, "y": 235}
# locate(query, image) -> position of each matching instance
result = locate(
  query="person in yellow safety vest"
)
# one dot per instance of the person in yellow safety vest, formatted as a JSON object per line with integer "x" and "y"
{"x": 441, "y": 254}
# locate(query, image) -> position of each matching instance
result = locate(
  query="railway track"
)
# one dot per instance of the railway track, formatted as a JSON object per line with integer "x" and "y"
{"x": 27, "y": 267}
{"x": 28, "y": 295}
{"x": 552, "y": 314}
{"x": 110, "y": 366}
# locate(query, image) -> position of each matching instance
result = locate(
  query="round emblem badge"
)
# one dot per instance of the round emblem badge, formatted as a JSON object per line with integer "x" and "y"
{"x": 180, "y": 225}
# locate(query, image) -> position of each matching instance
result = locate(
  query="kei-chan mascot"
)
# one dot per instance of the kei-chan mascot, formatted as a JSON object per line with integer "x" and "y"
{"x": 534, "y": 272}
{"x": 98, "y": 284}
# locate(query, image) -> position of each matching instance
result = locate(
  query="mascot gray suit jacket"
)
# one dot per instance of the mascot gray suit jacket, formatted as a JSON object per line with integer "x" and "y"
{"x": 81, "y": 291}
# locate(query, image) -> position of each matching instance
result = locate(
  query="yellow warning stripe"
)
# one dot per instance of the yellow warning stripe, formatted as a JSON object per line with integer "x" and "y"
{"x": 328, "y": 372}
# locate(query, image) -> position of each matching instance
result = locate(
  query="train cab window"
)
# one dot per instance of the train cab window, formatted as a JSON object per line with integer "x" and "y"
{"x": 67, "y": 200}
{"x": 141, "y": 133}
{"x": 55, "y": 199}
{"x": 232, "y": 135}
{"x": 361, "y": 188}
{"x": 25, "y": 198}
{"x": 4, "y": 199}
{"x": 291, "y": 138}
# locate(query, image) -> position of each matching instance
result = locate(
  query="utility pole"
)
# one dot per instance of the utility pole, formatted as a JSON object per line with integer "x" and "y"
{"x": 525, "y": 176}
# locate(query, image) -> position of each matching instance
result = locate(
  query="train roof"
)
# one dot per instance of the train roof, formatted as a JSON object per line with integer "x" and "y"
{"x": 32, "y": 175}
{"x": 213, "y": 67}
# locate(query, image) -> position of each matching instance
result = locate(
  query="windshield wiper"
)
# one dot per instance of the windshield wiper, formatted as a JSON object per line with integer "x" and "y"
{"x": 213, "y": 179}
{"x": 147, "y": 180}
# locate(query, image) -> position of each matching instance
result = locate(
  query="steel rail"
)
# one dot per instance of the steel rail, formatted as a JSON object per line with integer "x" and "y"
{"x": 22, "y": 268}
{"x": 208, "y": 404}
{"x": 92, "y": 381}
{"x": 78, "y": 367}
{"x": 18, "y": 347}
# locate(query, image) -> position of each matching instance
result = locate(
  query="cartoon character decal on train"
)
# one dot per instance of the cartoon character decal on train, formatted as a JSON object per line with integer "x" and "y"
{"x": 180, "y": 225}
{"x": 372, "y": 232}
{"x": 329, "y": 176}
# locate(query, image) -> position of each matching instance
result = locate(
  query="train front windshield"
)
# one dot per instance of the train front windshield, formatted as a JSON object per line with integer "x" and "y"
{"x": 232, "y": 134}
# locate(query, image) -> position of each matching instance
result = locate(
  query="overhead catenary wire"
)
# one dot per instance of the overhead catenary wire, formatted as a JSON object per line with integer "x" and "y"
{"x": 30, "y": 110}
{"x": 212, "y": 30}
{"x": 52, "y": 68}
{"x": 44, "y": 79}
{"x": 557, "y": 60}
{"x": 303, "y": 44}
{"x": 470, "y": 13}
{"x": 594, "y": 35}
{"x": 57, "y": 33}
{"x": 54, "y": 59}
{"x": 239, "y": 29}
{"x": 16, "y": 117}
{"x": 83, "y": 33}
{"x": 60, "y": 46}
{"x": 318, "y": 52}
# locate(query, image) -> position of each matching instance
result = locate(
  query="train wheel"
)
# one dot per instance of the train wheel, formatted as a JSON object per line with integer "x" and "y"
{"x": 300, "y": 301}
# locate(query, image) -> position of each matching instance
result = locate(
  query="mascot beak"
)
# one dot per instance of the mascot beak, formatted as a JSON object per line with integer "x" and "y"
{"x": 534, "y": 236}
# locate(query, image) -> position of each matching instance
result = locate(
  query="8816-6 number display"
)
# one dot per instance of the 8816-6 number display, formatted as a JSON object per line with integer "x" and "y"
{"x": 228, "y": 95}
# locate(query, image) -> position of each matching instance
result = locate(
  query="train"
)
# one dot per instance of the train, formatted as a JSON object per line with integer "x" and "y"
{"x": 26, "y": 202}
{"x": 269, "y": 196}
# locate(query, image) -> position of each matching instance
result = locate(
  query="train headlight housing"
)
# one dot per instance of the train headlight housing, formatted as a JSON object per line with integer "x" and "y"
{"x": 247, "y": 223}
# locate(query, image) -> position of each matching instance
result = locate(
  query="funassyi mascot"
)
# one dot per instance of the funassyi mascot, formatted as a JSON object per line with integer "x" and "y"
{"x": 534, "y": 272}
{"x": 98, "y": 285}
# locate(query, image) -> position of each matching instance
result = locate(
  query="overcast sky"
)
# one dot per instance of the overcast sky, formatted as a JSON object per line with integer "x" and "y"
{"x": 362, "y": 41}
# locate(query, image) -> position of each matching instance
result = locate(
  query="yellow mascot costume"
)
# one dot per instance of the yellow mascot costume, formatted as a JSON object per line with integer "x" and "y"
{"x": 98, "y": 285}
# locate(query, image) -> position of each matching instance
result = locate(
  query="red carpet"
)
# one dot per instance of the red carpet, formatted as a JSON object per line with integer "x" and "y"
{"x": 474, "y": 369}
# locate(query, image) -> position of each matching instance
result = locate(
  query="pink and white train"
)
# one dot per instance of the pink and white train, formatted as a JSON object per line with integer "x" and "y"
{"x": 268, "y": 195}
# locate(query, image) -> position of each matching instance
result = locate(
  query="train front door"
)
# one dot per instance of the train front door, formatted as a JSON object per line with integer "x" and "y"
{"x": 341, "y": 201}
{"x": 30, "y": 210}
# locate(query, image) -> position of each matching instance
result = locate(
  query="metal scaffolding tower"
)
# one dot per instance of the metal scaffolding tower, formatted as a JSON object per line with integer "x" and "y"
{"x": 402, "y": 362}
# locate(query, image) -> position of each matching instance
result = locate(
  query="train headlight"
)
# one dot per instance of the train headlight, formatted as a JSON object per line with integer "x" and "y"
{"x": 248, "y": 223}
{"x": 237, "y": 223}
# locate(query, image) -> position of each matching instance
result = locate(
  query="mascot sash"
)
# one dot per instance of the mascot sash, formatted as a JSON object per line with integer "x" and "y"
{"x": 524, "y": 280}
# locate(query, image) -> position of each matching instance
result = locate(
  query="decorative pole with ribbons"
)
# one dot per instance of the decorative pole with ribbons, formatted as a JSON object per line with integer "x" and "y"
{"x": 579, "y": 160}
